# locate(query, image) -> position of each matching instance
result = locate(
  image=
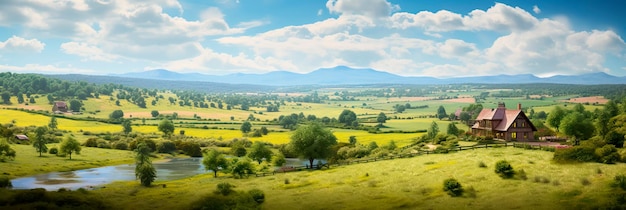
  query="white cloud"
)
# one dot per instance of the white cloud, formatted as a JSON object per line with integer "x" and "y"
{"x": 86, "y": 51}
{"x": 536, "y": 9}
{"x": 320, "y": 12}
{"x": 369, "y": 8}
{"x": 17, "y": 44}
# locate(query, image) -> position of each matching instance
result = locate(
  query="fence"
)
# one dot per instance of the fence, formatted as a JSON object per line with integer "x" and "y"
{"x": 409, "y": 155}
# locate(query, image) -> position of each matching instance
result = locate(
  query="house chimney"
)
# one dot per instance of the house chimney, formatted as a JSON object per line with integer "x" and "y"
{"x": 519, "y": 106}
{"x": 501, "y": 105}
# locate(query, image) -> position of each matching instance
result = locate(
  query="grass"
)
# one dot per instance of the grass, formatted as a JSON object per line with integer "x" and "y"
{"x": 413, "y": 183}
{"x": 27, "y": 161}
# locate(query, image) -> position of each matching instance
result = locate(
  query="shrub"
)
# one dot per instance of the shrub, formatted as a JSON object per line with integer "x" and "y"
{"x": 575, "y": 154}
{"x": 607, "y": 154}
{"x": 191, "y": 148}
{"x": 224, "y": 188}
{"x": 521, "y": 174}
{"x": 53, "y": 151}
{"x": 620, "y": 181}
{"x": 91, "y": 142}
{"x": 504, "y": 169}
{"x": 103, "y": 144}
{"x": 482, "y": 164}
{"x": 585, "y": 181}
{"x": 120, "y": 145}
{"x": 452, "y": 187}
{"x": 257, "y": 195}
{"x": 166, "y": 147}
{"x": 5, "y": 182}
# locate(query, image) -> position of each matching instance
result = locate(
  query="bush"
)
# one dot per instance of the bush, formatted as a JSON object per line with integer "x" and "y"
{"x": 166, "y": 147}
{"x": 91, "y": 142}
{"x": 224, "y": 188}
{"x": 191, "y": 148}
{"x": 120, "y": 145}
{"x": 575, "y": 154}
{"x": 452, "y": 187}
{"x": 53, "y": 151}
{"x": 620, "y": 181}
{"x": 504, "y": 169}
{"x": 5, "y": 182}
{"x": 482, "y": 164}
{"x": 257, "y": 195}
{"x": 607, "y": 154}
{"x": 103, "y": 144}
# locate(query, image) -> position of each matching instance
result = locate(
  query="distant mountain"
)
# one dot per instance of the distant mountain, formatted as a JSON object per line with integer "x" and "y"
{"x": 342, "y": 75}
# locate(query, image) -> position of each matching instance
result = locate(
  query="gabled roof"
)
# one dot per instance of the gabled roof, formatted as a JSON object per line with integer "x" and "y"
{"x": 506, "y": 118}
{"x": 60, "y": 104}
{"x": 21, "y": 137}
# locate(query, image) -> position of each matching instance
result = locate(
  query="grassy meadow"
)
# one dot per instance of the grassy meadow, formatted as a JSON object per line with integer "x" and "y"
{"x": 411, "y": 183}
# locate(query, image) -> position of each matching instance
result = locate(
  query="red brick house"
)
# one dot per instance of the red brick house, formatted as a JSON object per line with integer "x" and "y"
{"x": 59, "y": 106}
{"x": 502, "y": 123}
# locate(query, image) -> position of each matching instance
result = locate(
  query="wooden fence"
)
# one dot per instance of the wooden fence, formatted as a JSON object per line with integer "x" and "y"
{"x": 407, "y": 155}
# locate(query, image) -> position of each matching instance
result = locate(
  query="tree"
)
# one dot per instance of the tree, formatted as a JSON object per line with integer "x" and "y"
{"x": 615, "y": 138}
{"x": 264, "y": 130}
{"x": 167, "y": 127}
{"x": 75, "y": 105}
{"x": 259, "y": 151}
{"x": 53, "y": 123}
{"x": 312, "y": 141}
{"x": 453, "y": 187}
{"x": 154, "y": 113}
{"x": 347, "y": 117}
{"x": 242, "y": 167}
{"x": 392, "y": 145}
{"x": 7, "y": 152}
{"x": 69, "y": 146}
{"x": 144, "y": 170}
{"x": 465, "y": 117}
{"x": 575, "y": 124}
{"x": 541, "y": 115}
{"x": 127, "y": 127}
{"x": 372, "y": 146}
{"x": 433, "y": 130}
{"x": 246, "y": 127}
{"x": 238, "y": 149}
{"x": 452, "y": 129}
{"x": 6, "y": 97}
{"x": 504, "y": 169}
{"x": 556, "y": 115}
{"x": 382, "y": 118}
{"x": 441, "y": 112}
{"x": 279, "y": 159}
{"x": 40, "y": 140}
{"x": 214, "y": 161}
{"x": 352, "y": 140}
{"x": 116, "y": 115}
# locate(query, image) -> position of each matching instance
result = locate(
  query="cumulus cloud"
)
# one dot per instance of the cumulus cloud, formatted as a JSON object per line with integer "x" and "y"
{"x": 87, "y": 51}
{"x": 17, "y": 44}
{"x": 369, "y": 8}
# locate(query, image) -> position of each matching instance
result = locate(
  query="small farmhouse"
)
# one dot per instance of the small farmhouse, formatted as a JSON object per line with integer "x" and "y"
{"x": 59, "y": 106}
{"x": 501, "y": 123}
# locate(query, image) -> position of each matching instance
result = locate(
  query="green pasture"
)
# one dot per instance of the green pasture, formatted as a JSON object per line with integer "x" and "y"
{"x": 27, "y": 161}
{"x": 411, "y": 183}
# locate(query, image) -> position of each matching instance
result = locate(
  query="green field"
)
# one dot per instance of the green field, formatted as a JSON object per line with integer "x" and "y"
{"x": 412, "y": 183}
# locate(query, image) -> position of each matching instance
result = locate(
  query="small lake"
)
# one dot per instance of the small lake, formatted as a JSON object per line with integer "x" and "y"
{"x": 172, "y": 169}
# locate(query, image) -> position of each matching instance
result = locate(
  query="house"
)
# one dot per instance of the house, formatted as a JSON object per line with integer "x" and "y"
{"x": 59, "y": 106}
{"x": 457, "y": 114}
{"x": 502, "y": 123}
{"x": 21, "y": 137}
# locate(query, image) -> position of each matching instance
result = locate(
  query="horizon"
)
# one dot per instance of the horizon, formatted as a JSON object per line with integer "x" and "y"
{"x": 440, "y": 39}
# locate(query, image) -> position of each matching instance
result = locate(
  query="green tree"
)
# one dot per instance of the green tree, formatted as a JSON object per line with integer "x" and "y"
{"x": 576, "y": 125}
{"x": 53, "y": 123}
{"x": 392, "y": 145}
{"x": 242, "y": 167}
{"x": 214, "y": 161}
{"x": 504, "y": 169}
{"x": 453, "y": 187}
{"x": 372, "y": 146}
{"x": 6, "y": 97}
{"x": 264, "y": 130}
{"x": 433, "y": 130}
{"x": 238, "y": 149}
{"x": 452, "y": 129}
{"x": 40, "y": 140}
{"x": 246, "y": 127}
{"x": 167, "y": 127}
{"x": 7, "y": 152}
{"x": 556, "y": 115}
{"x": 259, "y": 151}
{"x": 312, "y": 141}
{"x": 441, "y": 112}
{"x": 127, "y": 126}
{"x": 154, "y": 113}
{"x": 20, "y": 98}
{"x": 69, "y": 145}
{"x": 75, "y": 105}
{"x": 144, "y": 170}
{"x": 352, "y": 140}
{"x": 347, "y": 117}
{"x": 465, "y": 117}
{"x": 382, "y": 118}
{"x": 116, "y": 115}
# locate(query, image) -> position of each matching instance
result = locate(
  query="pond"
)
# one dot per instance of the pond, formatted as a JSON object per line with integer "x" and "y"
{"x": 87, "y": 178}
{"x": 172, "y": 169}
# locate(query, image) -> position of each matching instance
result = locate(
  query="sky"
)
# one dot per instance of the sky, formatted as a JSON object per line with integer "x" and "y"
{"x": 443, "y": 38}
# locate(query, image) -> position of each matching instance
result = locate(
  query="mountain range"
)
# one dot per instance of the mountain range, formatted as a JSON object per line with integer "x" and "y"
{"x": 342, "y": 75}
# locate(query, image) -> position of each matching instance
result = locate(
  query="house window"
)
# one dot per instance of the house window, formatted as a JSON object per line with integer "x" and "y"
{"x": 525, "y": 136}
{"x": 515, "y": 124}
{"x": 514, "y": 135}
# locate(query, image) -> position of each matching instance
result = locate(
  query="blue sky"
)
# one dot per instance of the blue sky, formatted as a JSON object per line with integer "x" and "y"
{"x": 411, "y": 37}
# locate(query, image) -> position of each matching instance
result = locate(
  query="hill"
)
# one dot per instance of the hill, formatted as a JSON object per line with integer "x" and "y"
{"x": 342, "y": 75}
